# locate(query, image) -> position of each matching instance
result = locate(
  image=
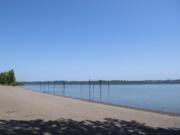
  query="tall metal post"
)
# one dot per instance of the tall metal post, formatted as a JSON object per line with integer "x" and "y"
{"x": 48, "y": 87}
{"x": 100, "y": 83}
{"x": 40, "y": 86}
{"x": 64, "y": 88}
{"x": 54, "y": 88}
{"x": 89, "y": 90}
{"x": 108, "y": 90}
{"x": 81, "y": 89}
{"x": 93, "y": 89}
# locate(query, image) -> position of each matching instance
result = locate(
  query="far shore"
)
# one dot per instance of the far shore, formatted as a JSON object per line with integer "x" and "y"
{"x": 16, "y": 103}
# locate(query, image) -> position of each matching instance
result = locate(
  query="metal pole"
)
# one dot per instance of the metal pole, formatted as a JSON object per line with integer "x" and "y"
{"x": 108, "y": 90}
{"x": 40, "y": 86}
{"x": 48, "y": 87}
{"x": 81, "y": 89}
{"x": 64, "y": 88}
{"x": 44, "y": 87}
{"x": 89, "y": 90}
{"x": 100, "y": 83}
{"x": 93, "y": 89}
{"x": 54, "y": 88}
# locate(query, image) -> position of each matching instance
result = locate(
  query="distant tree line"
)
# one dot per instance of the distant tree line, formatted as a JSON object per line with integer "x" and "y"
{"x": 8, "y": 78}
{"x": 106, "y": 82}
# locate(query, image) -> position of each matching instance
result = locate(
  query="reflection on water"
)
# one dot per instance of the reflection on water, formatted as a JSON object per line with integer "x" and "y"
{"x": 163, "y": 97}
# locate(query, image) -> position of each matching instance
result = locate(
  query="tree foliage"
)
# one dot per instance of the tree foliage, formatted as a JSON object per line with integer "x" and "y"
{"x": 7, "y": 78}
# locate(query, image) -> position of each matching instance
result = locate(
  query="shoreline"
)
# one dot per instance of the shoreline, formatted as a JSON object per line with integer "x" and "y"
{"x": 17, "y": 103}
{"x": 110, "y": 104}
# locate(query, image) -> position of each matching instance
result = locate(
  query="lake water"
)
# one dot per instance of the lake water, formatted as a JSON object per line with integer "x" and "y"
{"x": 163, "y": 97}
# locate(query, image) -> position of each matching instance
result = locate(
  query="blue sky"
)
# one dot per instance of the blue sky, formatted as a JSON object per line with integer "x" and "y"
{"x": 90, "y": 39}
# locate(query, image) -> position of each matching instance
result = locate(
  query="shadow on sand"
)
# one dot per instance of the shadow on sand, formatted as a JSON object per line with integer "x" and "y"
{"x": 71, "y": 127}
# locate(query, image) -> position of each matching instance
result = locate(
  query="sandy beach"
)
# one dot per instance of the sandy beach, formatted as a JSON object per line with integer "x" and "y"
{"x": 19, "y": 104}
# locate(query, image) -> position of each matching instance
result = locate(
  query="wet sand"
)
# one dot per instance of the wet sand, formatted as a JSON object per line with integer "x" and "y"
{"x": 19, "y": 104}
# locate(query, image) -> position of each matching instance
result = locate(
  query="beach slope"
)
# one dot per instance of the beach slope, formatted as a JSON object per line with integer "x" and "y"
{"x": 19, "y": 104}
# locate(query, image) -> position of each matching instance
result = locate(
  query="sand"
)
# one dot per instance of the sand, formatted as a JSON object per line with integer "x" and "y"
{"x": 20, "y": 104}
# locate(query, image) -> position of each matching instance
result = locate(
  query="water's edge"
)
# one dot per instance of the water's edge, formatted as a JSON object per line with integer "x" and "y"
{"x": 110, "y": 104}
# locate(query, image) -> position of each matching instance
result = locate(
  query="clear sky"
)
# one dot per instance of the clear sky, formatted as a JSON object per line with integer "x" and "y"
{"x": 90, "y": 39}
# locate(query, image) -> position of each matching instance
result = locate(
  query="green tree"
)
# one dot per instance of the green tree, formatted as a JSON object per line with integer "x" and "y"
{"x": 1, "y": 78}
{"x": 11, "y": 78}
{"x": 7, "y": 78}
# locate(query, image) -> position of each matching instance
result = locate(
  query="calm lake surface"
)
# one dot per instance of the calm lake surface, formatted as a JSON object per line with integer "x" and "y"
{"x": 163, "y": 97}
